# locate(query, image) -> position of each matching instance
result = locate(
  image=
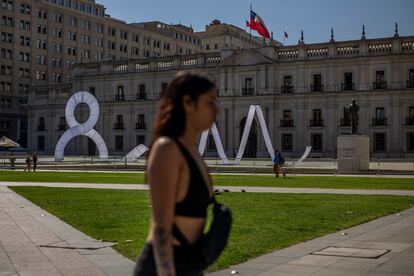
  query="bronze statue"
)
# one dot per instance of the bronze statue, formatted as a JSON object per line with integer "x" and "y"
{"x": 353, "y": 114}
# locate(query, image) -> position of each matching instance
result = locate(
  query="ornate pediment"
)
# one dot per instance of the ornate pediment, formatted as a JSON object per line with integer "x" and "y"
{"x": 245, "y": 58}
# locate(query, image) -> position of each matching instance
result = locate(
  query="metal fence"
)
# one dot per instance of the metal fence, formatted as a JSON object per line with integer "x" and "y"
{"x": 250, "y": 166}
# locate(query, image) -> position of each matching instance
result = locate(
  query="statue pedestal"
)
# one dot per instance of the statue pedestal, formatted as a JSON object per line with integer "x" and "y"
{"x": 352, "y": 153}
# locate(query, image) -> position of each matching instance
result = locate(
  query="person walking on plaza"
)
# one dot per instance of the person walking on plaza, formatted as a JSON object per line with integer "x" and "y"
{"x": 34, "y": 158}
{"x": 12, "y": 159}
{"x": 278, "y": 161}
{"x": 28, "y": 163}
{"x": 180, "y": 186}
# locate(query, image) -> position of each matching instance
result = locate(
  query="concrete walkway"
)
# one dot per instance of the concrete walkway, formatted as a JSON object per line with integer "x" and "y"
{"x": 381, "y": 247}
{"x": 221, "y": 188}
{"x": 34, "y": 242}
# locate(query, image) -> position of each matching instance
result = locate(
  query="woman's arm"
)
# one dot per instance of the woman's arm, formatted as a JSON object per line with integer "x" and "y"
{"x": 163, "y": 171}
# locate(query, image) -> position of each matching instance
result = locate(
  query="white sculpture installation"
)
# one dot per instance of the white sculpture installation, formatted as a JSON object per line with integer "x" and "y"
{"x": 77, "y": 129}
{"x": 217, "y": 141}
{"x": 246, "y": 131}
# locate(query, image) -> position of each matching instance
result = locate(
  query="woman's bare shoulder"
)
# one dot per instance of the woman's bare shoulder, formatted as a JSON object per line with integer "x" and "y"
{"x": 165, "y": 145}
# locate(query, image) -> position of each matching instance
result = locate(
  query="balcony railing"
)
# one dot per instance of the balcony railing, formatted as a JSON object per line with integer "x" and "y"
{"x": 348, "y": 86}
{"x": 120, "y": 97}
{"x": 345, "y": 122}
{"x": 316, "y": 122}
{"x": 409, "y": 121}
{"x": 62, "y": 127}
{"x": 140, "y": 126}
{"x": 248, "y": 91}
{"x": 41, "y": 127}
{"x": 410, "y": 84}
{"x": 287, "y": 89}
{"x": 379, "y": 121}
{"x": 317, "y": 88}
{"x": 141, "y": 96}
{"x": 379, "y": 85}
{"x": 286, "y": 123}
{"x": 119, "y": 126}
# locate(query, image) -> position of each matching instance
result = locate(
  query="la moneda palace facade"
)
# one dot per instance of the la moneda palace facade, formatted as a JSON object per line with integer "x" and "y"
{"x": 302, "y": 89}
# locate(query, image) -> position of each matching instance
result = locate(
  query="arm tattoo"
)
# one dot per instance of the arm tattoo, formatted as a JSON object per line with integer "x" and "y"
{"x": 163, "y": 250}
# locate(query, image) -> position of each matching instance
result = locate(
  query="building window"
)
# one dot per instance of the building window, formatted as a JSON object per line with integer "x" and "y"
{"x": 92, "y": 90}
{"x": 141, "y": 92}
{"x": 287, "y": 84}
{"x": 410, "y": 141}
{"x": 287, "y": 142}
{"x": 41, "y": 44}
{"x": 6, "y": 70}
{"x": 72, "y": 36}
{"x": 41, "y": 29}
{"x": 410, "y": 81}
{"x": 5, "y": 86}
{"x": 41, "y": 60}
{"x": 8, "y": 54}
{"x": 7, "y": 21}
{"x": 56, "y": 32}
{"x": 348, "y": 83}
{"x": 111, "y": 45}
{"x": 119, "y": 143}
{"x": 98, "y": 55}
{"x": 72, "y": 51}
{"x": 7, "y": 4}
{"x": 119, "y": 96}
{"x": 72, "y": 21}
{"x": 25, "y": 25}
{"x": 41, "y": 124}
{"x": 123, "y": 48}
{"x": 380, "y": 82}
{"x": 41, "y": 143}
{"x": 287, "y": 119}
{"x": 25, "y": 9}
{"x": 317, "y": 83}
{"x": 119, "y": 122}
{"x": 140, "y": 139}
{"x": 316, "y": 118}
{"x": 380, "y": 142}
{"x": 57, "y": 18}
{"x": 99, "y": 28}
{"x": 379, "y": 119}
{"x": 248, "y": 88}
{"x": 111, "y": 31}
{"x": 99, "y": 42}
{"x": 317, "y": 141}
{"x": 124, "y": 35}
{"x": 85, "y": 39}
{"x": 40, "y": 75}
{"x": 141, "y": 122}
{"x": 85, "y": 24}
{"x": 41, "y": 14}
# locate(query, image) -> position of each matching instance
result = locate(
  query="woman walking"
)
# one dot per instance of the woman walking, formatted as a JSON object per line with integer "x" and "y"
{"x": 179, "y": 181}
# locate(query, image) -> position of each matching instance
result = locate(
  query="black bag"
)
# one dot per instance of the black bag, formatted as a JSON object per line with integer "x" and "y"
{"x": 211, "y": 244}
{"x": 281, "y": 160}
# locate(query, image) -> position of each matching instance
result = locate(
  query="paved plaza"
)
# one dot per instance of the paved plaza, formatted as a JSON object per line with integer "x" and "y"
{"x": 34, "y": 242}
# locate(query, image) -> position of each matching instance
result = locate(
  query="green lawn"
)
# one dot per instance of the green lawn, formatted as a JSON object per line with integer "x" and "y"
{"x": 221, "y": 180}
{"x": 262, "y": 222}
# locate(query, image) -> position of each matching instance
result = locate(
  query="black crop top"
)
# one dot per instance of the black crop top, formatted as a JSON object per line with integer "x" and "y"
{"x": 198, "y": 198}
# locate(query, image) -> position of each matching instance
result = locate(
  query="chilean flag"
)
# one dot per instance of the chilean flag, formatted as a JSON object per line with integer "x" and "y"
{"x": 256, "y": 23}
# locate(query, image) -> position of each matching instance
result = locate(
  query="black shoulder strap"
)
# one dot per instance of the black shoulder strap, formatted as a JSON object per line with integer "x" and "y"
{"x": 183, "y": 150}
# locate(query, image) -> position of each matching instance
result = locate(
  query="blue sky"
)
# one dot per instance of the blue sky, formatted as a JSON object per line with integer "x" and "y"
{"x": 315, "y": 17}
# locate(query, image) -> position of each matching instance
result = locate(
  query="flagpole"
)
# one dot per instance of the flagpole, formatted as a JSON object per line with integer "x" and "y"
{"x": 250, "y": 14}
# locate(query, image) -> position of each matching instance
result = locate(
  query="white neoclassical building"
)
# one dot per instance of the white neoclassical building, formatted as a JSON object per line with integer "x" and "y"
{"x": 302, "y": 90}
